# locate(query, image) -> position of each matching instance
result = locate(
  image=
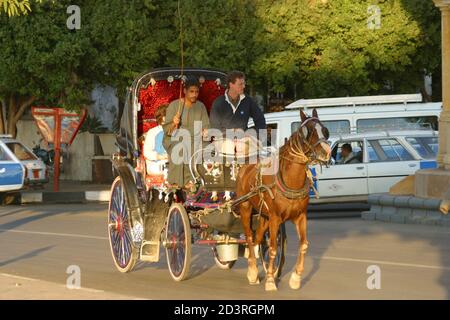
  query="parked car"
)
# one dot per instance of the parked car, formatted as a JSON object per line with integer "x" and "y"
{"x": 381, "y": 159}
{"x": 36, "y": 173}
{"x": 12, "y": 171}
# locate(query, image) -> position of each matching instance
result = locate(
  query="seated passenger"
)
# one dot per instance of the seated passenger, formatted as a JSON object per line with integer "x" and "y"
{"x": 184, "y": 116}
{"x": 154, "y": 152}
{"x": 347, "y": 155}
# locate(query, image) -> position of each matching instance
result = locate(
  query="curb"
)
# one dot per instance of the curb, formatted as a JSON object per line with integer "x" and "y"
{"x": 63, "y": 197}
{"x": 407, "y": 210}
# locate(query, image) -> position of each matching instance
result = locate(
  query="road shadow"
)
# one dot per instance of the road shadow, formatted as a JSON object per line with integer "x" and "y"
{"x": 28, "y": 255}
{"x": 325, "y": 237}
{"x": 10, "y": 213}
{"x": 200, "y": 262}
{"x": 42, "y": 215}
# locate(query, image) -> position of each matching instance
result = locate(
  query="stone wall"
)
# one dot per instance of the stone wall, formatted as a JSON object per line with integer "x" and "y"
{"x": 407, "y": 209}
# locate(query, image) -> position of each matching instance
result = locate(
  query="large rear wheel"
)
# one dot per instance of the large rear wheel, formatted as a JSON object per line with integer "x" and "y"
{"x": 178, "y": 242}
{"x": 123, "y": 250}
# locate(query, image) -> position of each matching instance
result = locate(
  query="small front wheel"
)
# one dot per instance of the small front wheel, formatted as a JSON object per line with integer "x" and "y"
{"x": 178, "y": 242}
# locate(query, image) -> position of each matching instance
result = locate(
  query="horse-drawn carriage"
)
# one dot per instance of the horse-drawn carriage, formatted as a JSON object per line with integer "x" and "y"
{"x": 146, "y": 214}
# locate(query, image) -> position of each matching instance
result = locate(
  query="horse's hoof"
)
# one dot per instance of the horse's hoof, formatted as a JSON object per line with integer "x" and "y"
{"x": 252, "y": 278}
{"x": 295, "y": 281}
{"x": 271, "y": 286}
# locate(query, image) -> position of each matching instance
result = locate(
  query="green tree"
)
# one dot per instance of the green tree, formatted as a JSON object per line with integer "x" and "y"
{"x": 45, "y": 63}
{"x": 216, "y": 34}
{"x": 15, "y": 7}
{"x": 326, "y": 48}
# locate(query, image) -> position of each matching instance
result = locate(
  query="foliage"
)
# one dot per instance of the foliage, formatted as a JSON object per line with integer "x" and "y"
{"x": 327, "y": 48}
{"x": 93, "y": 125}
{"x": 14, "y": 7}
{"x": 322, "y": 48}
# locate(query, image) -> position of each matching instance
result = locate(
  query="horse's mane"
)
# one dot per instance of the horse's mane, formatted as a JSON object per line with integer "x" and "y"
{"x": 285, "y": 147}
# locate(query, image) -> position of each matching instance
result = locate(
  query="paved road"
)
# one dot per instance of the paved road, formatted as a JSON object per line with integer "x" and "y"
{"x": 38, "y": 243}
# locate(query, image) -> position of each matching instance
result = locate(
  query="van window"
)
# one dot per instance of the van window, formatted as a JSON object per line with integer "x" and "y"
{"x": 387, "y": 150}
{"x": 373, "y": 156}
{"x": 357, "y": 150}
{"x": 333, "y": 126}
{"x": 426, "y": 147}
{"x": 364, "y": 125}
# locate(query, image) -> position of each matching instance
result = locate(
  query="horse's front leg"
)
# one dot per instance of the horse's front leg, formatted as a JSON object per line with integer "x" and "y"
{"x": 274, "y": 224}
{"x": 262, "y": 228}
{"x": 296, "y": 277}
{"x": 246, "y": 215}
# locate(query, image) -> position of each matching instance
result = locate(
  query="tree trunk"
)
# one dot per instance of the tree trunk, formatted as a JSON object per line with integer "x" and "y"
{"x": 12, "y": 107}
{"x": 16, "y": 108}
{"x": 2, "y": 124}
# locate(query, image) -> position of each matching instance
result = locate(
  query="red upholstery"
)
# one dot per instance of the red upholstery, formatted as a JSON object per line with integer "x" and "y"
{"x": 163, "y": 92}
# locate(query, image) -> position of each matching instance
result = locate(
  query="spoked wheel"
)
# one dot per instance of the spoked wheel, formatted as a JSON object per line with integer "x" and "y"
{"x": 281, "y": 251}
{"x": 224, "y": 265}
{"x": 123, "y": 249}
{"x": 178, "y": 242}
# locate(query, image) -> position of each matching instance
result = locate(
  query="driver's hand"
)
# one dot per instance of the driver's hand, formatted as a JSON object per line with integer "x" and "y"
{"x": 176, "y": 119}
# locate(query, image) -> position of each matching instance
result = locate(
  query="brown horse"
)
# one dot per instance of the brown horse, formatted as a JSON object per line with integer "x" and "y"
{"x": 290, "y": 188}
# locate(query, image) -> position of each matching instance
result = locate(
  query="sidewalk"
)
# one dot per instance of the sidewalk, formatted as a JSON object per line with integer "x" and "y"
{"x": 69, "y": 192}
{"x": 16, "y": 287}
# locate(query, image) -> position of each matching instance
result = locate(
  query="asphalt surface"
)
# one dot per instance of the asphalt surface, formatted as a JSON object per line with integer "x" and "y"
{"x": 38, "y": 244}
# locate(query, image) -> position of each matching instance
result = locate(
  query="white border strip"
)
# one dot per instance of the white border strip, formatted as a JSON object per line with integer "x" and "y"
{"x": 55, "y": 234}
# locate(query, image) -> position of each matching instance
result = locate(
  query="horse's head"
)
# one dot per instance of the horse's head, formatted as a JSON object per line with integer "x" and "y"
{"x": 314, "y": 138}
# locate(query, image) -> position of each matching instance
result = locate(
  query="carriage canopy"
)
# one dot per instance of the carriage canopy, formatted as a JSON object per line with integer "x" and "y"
{"x": 158, "y": 87}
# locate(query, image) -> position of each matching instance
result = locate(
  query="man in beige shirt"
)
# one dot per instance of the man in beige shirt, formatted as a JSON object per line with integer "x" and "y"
{"x": 181, "y": 116}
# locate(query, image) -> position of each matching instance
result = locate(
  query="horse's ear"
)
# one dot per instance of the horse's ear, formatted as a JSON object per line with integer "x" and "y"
{"x": 314, "y": 113}
{"x": 303, "y": 116}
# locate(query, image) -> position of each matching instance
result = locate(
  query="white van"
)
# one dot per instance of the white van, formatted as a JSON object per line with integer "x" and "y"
{"x": 358, "y": 114}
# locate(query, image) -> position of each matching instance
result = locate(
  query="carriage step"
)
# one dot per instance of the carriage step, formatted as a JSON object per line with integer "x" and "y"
{"x": 247, "y": 252}
{"x": 150, "y": 251}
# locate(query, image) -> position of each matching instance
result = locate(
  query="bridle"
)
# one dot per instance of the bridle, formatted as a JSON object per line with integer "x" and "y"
{"x": 294, "y": 149}
{"x": 295, "y": 142}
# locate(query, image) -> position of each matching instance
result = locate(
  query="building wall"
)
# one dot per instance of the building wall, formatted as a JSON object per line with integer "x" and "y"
{"x": 78, "y": 166}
